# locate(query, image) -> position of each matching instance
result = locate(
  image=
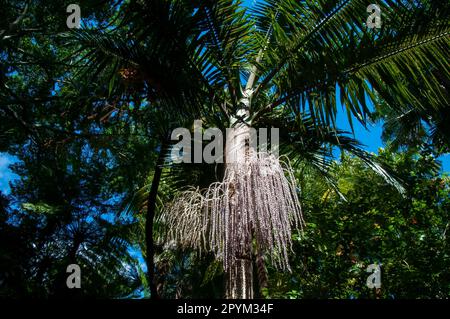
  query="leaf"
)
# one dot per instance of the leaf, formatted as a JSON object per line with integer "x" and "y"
{"x": 40, "y": 208}
{"x": 214, "y": 269}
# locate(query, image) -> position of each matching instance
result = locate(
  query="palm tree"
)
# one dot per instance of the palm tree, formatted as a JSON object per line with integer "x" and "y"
{"x": 282, "y": 64}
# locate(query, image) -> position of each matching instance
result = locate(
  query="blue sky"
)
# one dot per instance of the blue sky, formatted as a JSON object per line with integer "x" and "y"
{"x": 371, "y": 137}
{"x": 6, "y": 175}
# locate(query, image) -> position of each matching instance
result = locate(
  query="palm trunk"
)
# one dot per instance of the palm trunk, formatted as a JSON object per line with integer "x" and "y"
{"x": 262, "y": 273}
{"x": 239, "y": 274}
{"x": 239, "y": 279}
{"x": 150, "y": 215}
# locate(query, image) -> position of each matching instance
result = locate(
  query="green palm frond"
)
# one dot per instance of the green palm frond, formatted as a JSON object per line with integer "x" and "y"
{"x": 308, "y": 66}
{"x": 306, "y": 143}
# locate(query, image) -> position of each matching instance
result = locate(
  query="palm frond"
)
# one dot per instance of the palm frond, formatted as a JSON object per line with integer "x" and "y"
{"x": 344, "y": 57}
{"x": 303, "y": 141}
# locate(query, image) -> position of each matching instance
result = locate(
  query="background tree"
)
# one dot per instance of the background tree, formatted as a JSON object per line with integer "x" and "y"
{"x": 66, "y": 206}
{"x": 406, "y": 235}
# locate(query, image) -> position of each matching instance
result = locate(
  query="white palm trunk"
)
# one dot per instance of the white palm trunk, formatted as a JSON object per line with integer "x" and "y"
{"x": 239, "y": 273}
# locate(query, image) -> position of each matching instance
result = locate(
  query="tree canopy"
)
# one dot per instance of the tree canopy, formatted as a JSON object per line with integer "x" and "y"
{"x": 88, "y": 114}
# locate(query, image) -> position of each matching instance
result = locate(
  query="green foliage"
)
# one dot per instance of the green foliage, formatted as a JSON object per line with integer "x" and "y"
{"x": 407, "y": 235}
{"x": 65, "y": 208}
{"x": 86, "y": 111}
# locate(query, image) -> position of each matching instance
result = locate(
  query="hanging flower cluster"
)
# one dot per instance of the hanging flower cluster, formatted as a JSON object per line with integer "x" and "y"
{"x": 257, "y": 199}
